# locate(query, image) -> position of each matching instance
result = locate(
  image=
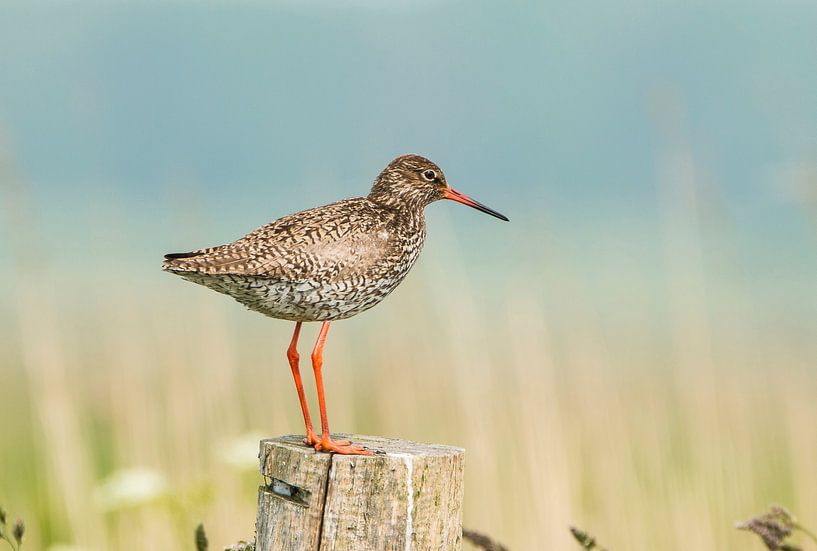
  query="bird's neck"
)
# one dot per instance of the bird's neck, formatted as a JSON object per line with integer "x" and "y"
{"x": 410, "y": 210}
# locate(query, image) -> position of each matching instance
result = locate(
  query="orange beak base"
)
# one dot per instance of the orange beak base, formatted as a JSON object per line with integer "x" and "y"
{"x": 455, "y": 195}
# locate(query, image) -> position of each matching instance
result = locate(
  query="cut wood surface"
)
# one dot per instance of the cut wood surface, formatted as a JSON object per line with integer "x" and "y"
{"x": 406, "y": 497}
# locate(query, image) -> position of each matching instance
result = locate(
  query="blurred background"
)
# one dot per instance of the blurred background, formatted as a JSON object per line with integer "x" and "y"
{"x": 634, "y": 353}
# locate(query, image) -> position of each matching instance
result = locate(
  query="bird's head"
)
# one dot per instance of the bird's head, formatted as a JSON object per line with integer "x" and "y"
{"x": 412, "y": 182}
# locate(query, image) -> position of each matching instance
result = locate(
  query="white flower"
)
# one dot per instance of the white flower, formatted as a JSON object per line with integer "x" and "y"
{"x": 241, "y": 452}
{"x": 130, "y": 488}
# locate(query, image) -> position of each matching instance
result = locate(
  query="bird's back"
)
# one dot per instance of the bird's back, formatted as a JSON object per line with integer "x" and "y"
{"x": 324, "y": 263}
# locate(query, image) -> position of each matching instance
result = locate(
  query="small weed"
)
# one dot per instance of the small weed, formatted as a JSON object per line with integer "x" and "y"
{"x": 482, "y": 541}
{"x": 775, "y": 527}
{"x": 585, "y": 540}
{"x": 203, "y": 545}
{"x": 201, "y": 538}
{"x": 18, "y": 530}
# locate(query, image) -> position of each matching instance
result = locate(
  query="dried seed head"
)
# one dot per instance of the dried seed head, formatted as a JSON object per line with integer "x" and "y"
{"x": 19, "y": 530}
{"x": 783, "y": 515}
{"x": 772, "y": 527}
{"x": 771, "y": 532}
{"x": 585, "y": 540}
{"x": 482, "y": 541}
{"x": 201, "y": 538}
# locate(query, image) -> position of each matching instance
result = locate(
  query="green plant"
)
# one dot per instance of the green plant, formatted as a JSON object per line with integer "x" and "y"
{"x": 201, "y": 538}
{"x": 482, "y": 541}
{"x": 585, "y": 540}
{"x": 17, "y": 531}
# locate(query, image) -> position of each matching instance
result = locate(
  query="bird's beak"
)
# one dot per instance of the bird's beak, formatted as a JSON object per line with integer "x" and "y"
{"x": 455, "y": 195}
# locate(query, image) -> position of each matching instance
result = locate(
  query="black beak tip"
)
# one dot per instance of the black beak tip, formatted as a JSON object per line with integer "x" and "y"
{"x": 493, "y": 213}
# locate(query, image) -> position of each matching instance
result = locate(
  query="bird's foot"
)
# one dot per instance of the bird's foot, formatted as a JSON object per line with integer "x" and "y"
{"x": 311, "y": 439}
{"x": 343, "y": 447}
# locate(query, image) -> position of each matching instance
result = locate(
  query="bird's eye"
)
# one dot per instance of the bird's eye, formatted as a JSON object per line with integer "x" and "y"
{"x": 429, "y": 175}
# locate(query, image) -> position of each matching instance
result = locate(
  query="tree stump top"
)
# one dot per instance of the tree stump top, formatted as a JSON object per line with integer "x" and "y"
{"x": 380, "y": 445}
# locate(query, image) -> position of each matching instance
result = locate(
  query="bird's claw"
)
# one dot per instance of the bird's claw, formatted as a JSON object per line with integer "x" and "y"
{"x": 343, "y": 447}
{"x": 311, "y": 439}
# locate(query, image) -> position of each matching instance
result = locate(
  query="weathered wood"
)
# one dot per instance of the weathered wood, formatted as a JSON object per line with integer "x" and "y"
{"x": 293, "y": 499}
{"x": 407, "y": 497}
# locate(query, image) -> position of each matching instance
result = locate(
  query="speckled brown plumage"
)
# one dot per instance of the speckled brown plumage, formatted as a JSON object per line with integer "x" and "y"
{"x": 330, "y": 262}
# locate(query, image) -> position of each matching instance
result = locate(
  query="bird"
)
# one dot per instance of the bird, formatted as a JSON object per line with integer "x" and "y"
{"x": 327, "y": 264}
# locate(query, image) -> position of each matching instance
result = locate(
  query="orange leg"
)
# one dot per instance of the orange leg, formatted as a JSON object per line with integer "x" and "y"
{"x": 294, "y": 357}
{"x": 326, "y": 444}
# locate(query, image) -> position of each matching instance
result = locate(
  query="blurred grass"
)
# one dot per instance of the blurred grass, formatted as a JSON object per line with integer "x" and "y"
{"x": 130, "y": 413}
{"x": 647, "y": 457}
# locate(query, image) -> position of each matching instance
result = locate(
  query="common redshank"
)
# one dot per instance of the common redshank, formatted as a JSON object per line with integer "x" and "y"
{"x": 327, "y": 263}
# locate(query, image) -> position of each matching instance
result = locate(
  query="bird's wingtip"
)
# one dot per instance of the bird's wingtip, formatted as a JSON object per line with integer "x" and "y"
{"x": 178, "y": 262}
{"x": 176, "y": 256}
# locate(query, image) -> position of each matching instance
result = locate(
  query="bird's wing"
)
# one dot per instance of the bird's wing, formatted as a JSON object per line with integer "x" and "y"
{"x": 316, "y": 243}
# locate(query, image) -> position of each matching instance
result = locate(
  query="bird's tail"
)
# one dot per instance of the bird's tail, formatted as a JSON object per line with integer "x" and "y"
{"x": 180, "y": 262}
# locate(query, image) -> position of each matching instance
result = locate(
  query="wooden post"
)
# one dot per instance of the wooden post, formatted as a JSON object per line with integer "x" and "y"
{"x": 407, "y": 497}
